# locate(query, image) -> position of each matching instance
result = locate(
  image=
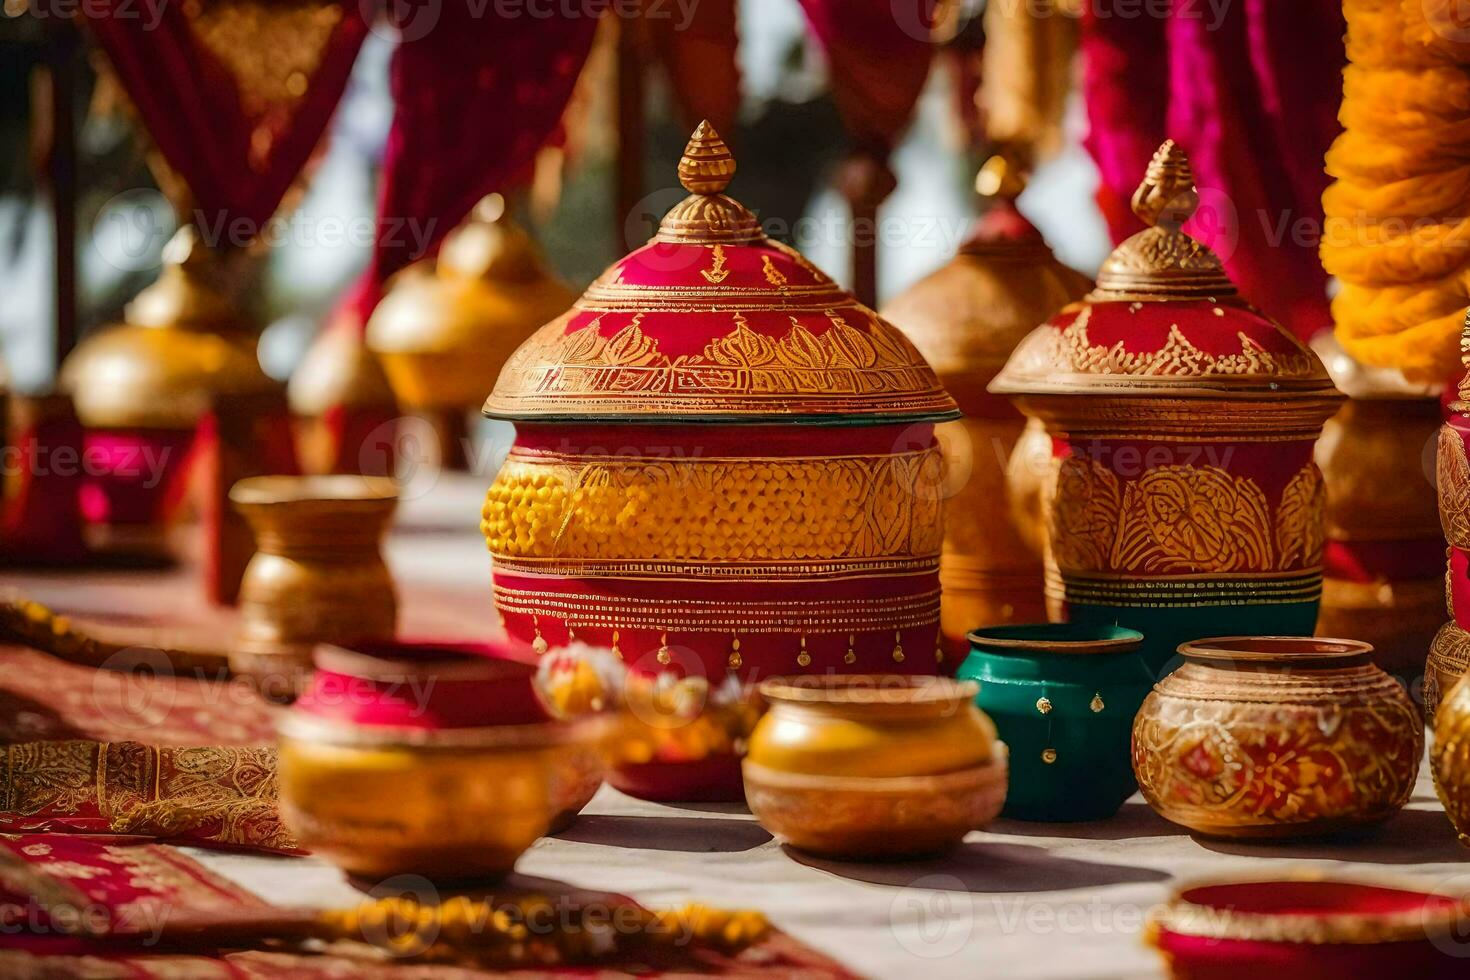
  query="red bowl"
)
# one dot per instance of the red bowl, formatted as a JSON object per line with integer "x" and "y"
{"x": 1311, "y": 929}
{"x": 424, "y": 685}
{"x": 713, "y": 779}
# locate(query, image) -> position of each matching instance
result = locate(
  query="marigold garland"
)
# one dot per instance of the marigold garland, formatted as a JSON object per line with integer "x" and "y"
{"x": 1398, "y": 214}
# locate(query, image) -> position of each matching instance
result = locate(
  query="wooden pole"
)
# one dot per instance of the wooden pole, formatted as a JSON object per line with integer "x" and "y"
{"x": 61, "y": 175}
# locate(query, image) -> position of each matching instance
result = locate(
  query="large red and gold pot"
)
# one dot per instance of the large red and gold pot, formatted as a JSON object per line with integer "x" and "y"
{"x": 724, "y": 465}
{"x": 1184, "y": 499}
{"x": 966, "y": 318}
{"x": 141, "y": 388}
{"x": 1384, "y": 559}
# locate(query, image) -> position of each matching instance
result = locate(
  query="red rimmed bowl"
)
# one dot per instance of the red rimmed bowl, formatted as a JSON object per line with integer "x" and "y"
{"x": 431, "y": 758}
{"x": 1311, "y": 929}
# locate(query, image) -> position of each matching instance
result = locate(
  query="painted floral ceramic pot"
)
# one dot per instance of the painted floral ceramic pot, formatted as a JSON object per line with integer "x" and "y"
{"x": 966, "y": 318}
{"x": 431, "y": 759}
{"x": 1062, "y": 698}
{"x": 1183, "y": 499}
{"x": 724, "y": 465}
{"x": 873, "y": 766}
{"x": 1269, "y": 736}
{"x": 1310, "y": 929}
{"x": 1384, "y": 557}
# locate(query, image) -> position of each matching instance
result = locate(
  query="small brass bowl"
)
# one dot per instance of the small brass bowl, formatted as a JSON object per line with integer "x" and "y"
{"x": 876, "y": 817}
{"x": 873, "y": 766}
{"x": 450, "y": 804}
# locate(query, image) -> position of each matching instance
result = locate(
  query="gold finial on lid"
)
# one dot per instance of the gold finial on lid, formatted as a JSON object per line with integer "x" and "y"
{"x": 707, "y": 216}
{"x": 1167, "y": 197}
{"x": 707, "y": 166}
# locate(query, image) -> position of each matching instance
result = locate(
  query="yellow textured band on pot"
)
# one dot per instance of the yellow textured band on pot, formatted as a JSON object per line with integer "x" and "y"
{"x": 544, "y": 506}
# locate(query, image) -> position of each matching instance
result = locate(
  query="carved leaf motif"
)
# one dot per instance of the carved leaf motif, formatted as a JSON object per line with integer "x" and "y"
{"x": 1083, "y": 500}
{"x": 1193, "y": 519}
{"x": 741, "y": 348}
{"x": 631, "y": 347}
{"x": 802, "y": 349}
{"x": 850, "y": 346}
{"x": 584, "y": 345}
{"x": 1301, "y": 531}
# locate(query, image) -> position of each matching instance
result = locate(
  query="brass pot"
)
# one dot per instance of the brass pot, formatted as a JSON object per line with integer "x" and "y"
{"x": 1384, "y": 559}
{"x": 1270, "y": 736}
{"x": 446, "y": 804}
{"x": 1449, "y": 657}
{"x": 966, "y": 318}
{"x": 317, "y": 575}
{"x": 1450, "y": 757}
{"x": 873, "y": 765}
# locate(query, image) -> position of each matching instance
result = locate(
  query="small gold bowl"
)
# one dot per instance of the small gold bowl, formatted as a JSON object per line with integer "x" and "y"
{"x": 873, "y": 766}
{"x": 451, "y": 804}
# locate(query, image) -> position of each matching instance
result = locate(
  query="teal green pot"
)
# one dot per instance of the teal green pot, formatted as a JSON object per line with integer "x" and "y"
{"x": 1062, "y": 697}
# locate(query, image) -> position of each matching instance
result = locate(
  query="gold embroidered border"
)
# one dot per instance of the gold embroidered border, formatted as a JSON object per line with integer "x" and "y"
{"x": 743, "y": 616}
{"x": 1245, "y": 587}
{"x": 664, "y": 514}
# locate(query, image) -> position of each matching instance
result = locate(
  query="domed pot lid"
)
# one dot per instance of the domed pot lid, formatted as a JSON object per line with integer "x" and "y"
{"x": 713, "y": 322}
{"x": 489, "y": 281}
{"x": 1164, "y": 319}
{"x": 969, "y": 314}
{"x": 181, "y": 340}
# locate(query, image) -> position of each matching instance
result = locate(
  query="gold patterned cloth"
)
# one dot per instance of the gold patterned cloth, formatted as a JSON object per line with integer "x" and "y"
{"x": 207, "y": 794}
{"x": 170, "y": 756}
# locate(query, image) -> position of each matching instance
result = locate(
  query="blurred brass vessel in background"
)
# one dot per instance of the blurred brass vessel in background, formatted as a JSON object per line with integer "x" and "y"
{"x": 1384, "y": 574}
{"x": 445, "y": 329}
{"x": 966, "y": 318}
{"x": 318, "y": 575}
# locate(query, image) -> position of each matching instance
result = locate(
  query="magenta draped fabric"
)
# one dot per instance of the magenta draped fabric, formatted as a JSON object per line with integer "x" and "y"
{"x": 1252, "y": 97}
{"x": 237, "y": 168}
{"x": 878, "y": 55}
{"x": 477, "y": 94}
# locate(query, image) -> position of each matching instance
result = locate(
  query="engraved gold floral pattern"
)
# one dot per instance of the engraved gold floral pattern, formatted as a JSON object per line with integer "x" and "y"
{"x": 1047, "y": 351}
{"x": 1180, "y": 519}
{"x": 1219, "y": 751}
{"x": 837, "y": 369}
{"x": 797, "y": 509}
{"x": 1454, "y": 488}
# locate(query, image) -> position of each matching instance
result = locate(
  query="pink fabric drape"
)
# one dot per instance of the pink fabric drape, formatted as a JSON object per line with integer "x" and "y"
{"x": 238, "y": 165}
{"x": 476, "y": 95}
{"x": 878, "y": 56}
{"x": 1253, "y": 99}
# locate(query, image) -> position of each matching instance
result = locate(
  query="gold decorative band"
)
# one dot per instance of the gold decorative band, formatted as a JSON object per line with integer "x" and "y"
{"x": 674, "y": 571}
{"x": 1213, "y": 590}
{"x": 669, "y": 513}
{"x": 723, "y": 615}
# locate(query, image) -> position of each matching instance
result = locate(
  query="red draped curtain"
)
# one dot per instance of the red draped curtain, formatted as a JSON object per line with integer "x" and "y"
{"x": 1251, "y": 93}
{"x": 235, "y": 93}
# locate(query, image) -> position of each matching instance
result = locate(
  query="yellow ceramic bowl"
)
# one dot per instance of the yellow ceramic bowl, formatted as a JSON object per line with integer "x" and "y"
{"x": 873, "y": 766}
{"x": 447, "y": 804}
